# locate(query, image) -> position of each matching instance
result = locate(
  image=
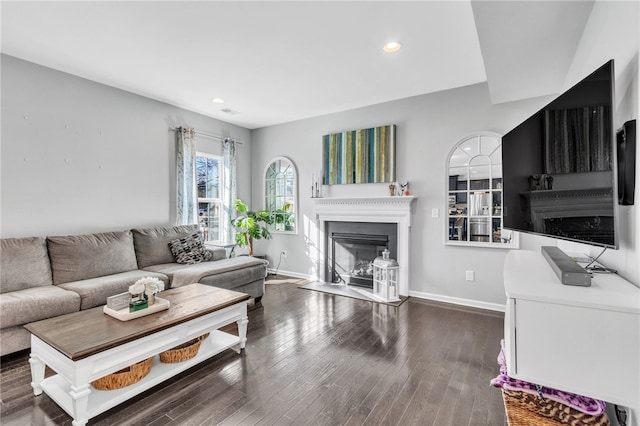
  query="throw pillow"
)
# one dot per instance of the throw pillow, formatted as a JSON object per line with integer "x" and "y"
{"x": 189, "y": 250}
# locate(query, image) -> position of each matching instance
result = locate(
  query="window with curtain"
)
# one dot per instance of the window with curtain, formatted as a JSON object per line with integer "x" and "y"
{"x": 209, "y": 188}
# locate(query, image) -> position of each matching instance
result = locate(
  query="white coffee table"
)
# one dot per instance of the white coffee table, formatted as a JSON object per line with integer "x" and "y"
{"x": 84, "y": 346}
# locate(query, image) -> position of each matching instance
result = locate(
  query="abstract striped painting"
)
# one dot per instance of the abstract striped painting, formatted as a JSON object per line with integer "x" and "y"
{"x": 360, "y": 156}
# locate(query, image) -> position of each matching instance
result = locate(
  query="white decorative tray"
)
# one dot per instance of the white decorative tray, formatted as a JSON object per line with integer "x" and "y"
{"x": 125, "y": 315}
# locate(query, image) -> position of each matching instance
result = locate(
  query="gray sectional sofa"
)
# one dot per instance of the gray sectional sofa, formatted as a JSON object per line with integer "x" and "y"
{"x": 44, "y": 277}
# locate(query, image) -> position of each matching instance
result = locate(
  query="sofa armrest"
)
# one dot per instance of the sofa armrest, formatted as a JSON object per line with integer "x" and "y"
{"x": 218, "y": 253}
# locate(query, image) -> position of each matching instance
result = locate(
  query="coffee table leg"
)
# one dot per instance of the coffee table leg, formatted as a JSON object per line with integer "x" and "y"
{"x": 80, "y": 401}
{"x": 242, "y": 331}
{"x": 37, "y": 373}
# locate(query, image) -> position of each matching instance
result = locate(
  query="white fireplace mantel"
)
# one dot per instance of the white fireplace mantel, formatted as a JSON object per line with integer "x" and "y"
{"x": 370, "y": 209}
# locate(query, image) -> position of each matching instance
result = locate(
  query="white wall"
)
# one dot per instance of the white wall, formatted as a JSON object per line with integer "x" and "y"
{"x": 428, "y": 127}
{"x": 80, "y": 157}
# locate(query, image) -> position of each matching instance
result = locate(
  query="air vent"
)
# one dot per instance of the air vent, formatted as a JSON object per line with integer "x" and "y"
{"x": 229, "y": 111}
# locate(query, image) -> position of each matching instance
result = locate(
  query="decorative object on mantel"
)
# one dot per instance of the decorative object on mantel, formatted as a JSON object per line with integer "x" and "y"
{"x": 404, "y": 188}
{"x": 360, "y": 156}
{"x": 316, "y": 185}
{"x": 385, "y": 278}
{"x": 392, "y": 189}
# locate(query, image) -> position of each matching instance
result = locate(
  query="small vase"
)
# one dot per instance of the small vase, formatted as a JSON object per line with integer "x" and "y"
{"x": 138, "y": 302}
{"x": 151, "y": 299}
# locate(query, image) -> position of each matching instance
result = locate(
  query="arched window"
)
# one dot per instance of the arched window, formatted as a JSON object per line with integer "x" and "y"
{"x": 280, "y": 194}
{"x": 474, "y": 190}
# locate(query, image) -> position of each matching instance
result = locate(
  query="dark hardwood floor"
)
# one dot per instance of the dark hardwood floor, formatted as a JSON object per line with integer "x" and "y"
{"x": 318, "y": 359}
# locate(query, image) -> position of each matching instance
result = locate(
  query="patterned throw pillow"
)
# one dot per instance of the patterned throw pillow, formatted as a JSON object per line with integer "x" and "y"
{"x": 189, "y": 250}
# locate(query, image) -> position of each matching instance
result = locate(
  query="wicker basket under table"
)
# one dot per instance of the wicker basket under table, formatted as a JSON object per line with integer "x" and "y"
{"x": 183, "y": 352}
{"x": 125, "y": 377}
{"x": 524, "y": 409}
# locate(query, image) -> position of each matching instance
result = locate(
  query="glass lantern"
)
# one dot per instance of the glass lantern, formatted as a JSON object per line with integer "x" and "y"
{"x": 385, "y": 278}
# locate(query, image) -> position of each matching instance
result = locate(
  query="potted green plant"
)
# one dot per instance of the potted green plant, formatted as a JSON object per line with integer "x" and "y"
{"x": 254, "y": 225}
{"x": 250, "y": 225}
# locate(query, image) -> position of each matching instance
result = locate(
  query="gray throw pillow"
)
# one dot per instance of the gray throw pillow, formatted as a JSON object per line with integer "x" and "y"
{"x": 189, "y": 250}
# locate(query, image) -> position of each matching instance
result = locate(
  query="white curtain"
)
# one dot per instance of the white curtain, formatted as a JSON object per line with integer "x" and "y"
{"x": 187, "y": 201}
{"x": 228, "y": 210}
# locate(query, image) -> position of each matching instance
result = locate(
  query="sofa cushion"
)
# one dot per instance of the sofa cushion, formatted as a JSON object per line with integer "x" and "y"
{"x": 152, "y": 244}
{"x": 35, "y": 304}
{"x": 80, "y": 257}
{"x": 189, "y": 250}
{"x": 216, "y": 253}
{"x": 24, "y": 263}
{"x": 14, "y": 339}
{"x": 239, "y": 279}
{"x": 186, "y": 274}
{"x": 94, "y": 292}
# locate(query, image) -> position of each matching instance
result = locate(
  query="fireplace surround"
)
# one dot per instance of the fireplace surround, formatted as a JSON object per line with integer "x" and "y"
{"x": 386, "y": 209}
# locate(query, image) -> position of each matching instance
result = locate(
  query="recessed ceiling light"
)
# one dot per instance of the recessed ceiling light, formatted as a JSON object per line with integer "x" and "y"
{"x": 392, "y": 46}
{"x": 217, "y": 101}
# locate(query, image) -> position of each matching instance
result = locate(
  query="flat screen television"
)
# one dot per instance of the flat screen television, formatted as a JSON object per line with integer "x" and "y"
{"x": 559, "y": 166}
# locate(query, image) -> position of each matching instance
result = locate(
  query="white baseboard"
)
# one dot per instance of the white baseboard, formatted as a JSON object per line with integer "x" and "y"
{"x": 292, "y": 274}
{"x": 419, "y": 294}
{"x": 458, "y": 301}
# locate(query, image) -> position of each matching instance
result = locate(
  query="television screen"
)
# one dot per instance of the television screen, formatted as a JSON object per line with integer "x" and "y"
{"x": 559, "y": 168}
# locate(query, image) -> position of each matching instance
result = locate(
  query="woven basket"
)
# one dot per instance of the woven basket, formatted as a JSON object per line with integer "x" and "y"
{"x": 125, "y": 377}
{"x": 524, "y": 409}
{"x": 183, "y": 352}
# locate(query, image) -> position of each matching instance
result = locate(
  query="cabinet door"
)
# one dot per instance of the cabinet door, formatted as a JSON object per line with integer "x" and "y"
{"x": 576, "y": 349}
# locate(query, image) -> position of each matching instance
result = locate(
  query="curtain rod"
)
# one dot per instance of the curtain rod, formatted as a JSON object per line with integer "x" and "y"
{"x": 209, "y": 135}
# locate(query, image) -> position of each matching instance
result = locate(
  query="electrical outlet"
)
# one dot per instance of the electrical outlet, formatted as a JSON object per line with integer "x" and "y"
{"x": 471, "y": 276}
{"x": 283, "y": 253}
{"x": 435, "y": 212}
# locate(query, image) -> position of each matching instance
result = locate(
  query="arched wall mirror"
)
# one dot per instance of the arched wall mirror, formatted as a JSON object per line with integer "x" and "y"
{"x": 280, "y": 194}
{"x": 474, "y": 193}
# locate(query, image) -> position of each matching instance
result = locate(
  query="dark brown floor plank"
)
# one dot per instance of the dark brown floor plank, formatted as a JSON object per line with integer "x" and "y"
{"x": 315, "y": 358}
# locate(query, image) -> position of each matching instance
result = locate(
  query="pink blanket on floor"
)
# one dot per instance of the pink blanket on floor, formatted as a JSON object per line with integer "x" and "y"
{"x": 581, "y": 403}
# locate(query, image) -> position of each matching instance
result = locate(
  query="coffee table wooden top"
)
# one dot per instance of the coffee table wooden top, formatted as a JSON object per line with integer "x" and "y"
{"x": 85, "y": 333}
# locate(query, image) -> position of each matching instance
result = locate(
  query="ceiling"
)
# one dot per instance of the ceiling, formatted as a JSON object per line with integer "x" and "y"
{"x": 275, "y": 62}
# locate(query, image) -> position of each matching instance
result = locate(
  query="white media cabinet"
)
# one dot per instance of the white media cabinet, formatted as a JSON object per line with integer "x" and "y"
{"x": 584, "y": 340}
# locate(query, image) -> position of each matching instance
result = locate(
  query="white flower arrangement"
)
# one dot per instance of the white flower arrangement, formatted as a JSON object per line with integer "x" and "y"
{"x": 153, "y": 287}
{"x": 146, "y": 285}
